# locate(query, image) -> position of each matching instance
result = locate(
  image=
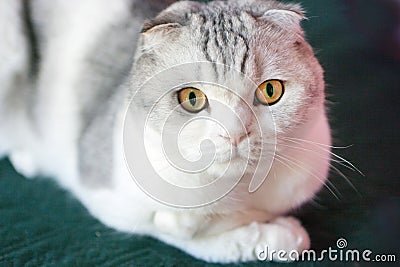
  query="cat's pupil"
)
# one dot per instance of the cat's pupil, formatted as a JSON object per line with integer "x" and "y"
{"x": 192, "y": 98}
{"x": 270, "y": 90}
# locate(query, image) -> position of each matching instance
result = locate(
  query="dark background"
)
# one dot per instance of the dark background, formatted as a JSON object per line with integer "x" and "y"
{"x": 356, "y": 42}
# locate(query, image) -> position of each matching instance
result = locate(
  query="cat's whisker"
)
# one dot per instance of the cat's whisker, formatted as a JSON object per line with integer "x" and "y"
{"x": 328, "y": 184}
{"x": 345, "y": 178}
{"x": 328, "y": 181}
{"x": 299, "y": 162}
{"x": 327, "y": 150}
{"x": 284, "y": 163}
{"x": 340, "y": 162}
{"x": 315, "y": 203}
{"x": 341, "y": 173}
{"x": 314, "y": 143}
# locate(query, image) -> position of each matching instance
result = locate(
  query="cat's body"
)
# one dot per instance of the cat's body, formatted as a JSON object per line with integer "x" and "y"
{"x": 66, "y": 121}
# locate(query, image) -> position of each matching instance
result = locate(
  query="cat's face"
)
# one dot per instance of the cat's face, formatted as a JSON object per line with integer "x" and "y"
{"x": 238, "y": 74}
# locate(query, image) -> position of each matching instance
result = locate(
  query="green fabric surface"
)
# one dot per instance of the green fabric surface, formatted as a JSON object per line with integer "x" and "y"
{"x": 43, "y": 225}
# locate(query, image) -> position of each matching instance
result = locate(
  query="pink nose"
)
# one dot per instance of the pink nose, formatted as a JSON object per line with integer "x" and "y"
{"x": 236, "y": 139}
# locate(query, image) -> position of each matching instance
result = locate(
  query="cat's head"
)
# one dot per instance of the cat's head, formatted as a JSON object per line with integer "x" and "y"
{"x": 239, "y": 73}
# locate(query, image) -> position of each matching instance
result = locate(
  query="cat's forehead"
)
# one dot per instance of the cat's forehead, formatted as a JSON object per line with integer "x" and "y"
{"x": 241, "y": 40}
{"x": 240, "y": 34}
{"x": 223, "y": 36}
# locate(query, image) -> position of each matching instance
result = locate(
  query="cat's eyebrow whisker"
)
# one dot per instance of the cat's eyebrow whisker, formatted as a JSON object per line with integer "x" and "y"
{"x": 340, "y": 162}
{"x": 332, "y": 153}
{"x": 328, "y": 184}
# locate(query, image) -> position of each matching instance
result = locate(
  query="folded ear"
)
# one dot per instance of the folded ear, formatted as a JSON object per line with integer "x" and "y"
{"x": 290, "y": 15}
{"x": 175, "y": 16}
{"x": 285, "y": 15}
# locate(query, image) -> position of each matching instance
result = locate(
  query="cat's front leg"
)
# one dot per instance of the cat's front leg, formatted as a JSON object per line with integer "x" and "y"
{"x": 180, "y": 225}
{"x": 244, "y": 243}
{"x": 24, "y": 163}
{"x": 188, "y": 224}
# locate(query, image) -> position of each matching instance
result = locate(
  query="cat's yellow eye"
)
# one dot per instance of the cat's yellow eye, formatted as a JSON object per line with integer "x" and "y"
{"x": 192, "y": 99}
{"x": 269, "y": 92}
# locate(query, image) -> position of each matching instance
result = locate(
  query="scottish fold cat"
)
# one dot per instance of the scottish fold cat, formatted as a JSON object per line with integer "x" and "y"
{"x": 202, "y": 126}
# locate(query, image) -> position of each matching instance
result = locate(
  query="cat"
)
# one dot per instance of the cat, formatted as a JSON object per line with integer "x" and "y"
{"x": 223, "y": 100}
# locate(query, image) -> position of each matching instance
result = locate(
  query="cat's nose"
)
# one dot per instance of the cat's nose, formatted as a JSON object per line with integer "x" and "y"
{"x": 236, "y": 138}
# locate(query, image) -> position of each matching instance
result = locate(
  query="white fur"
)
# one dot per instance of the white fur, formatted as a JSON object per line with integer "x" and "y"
{"x": 14, "y": 69}
{"x": 235, "y": 228}
{"x": 122, "y": 207}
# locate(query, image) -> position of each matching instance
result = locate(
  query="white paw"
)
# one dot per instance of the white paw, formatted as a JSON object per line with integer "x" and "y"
{"x": 24, "y": 163}
{"x": 283, "y": 239}
{"x": 176, "y": 224}
{"x": 302, "y": 239}
{"x": 273, "y": 241}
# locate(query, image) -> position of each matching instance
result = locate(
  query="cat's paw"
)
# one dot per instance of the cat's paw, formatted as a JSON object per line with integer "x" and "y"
{"x": 301, "y": 235}
{"x": 273, "y": 241}
{"x": 176, "y": 224}
{"x": 284, "y": 238}
{"x": 24, "y": 163}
